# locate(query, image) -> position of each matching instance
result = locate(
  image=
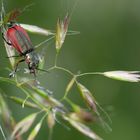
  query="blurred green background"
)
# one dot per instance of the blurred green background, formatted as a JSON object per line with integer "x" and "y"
{"x": 108, "y": 40}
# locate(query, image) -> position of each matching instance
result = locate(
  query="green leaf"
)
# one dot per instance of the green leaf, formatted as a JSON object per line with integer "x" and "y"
{"x": 50, "y": 100}
{"x": 8, "y": 80}
{"x": 4, "y": 110}
{"x": 83, "y": 128}
{"x": 21, "y": 101}
{"x": 70, "y": 84}
{"x": 5, "y": 115}
{"x": 35, "y": 131}
{"x": 40, "y": 92}
{"x": 24, "y": 125}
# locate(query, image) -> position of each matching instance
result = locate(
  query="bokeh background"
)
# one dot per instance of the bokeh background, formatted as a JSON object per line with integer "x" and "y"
{"x": 109, "y": 39}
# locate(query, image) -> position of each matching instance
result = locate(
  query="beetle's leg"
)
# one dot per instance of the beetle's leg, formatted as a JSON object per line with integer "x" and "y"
{"x": 13, "y": 56}
{"x": 6, "y": 40}
{"x": 18, "y": 62}
{"x": 32, "y": 71}
{"x": 12, "y": 74}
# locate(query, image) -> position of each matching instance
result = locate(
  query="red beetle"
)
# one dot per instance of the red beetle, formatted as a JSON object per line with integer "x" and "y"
{"x": 18, "y": 38}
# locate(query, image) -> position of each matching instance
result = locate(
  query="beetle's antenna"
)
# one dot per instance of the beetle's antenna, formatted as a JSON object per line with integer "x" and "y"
{"x": 27, "y": 7}
{"x": 14, "y": 14}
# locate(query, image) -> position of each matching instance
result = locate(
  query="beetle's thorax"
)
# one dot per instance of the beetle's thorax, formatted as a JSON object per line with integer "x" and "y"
{"x": 32, "y": 60}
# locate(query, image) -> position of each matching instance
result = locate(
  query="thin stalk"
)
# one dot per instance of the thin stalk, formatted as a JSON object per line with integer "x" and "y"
{"x": 73, "y": 105}
{"x": 65, "y": 70}
{"x": 61, "y": 68}
{"x": 71, "y": 73}
{"x": 44, "y": 115}
{"x": 2, "y": 132}
{"x": 51, "y": 68}
{"x": 50, "y": 134}
{"x": 43, "y": 42}
{"x": 89, "y": 73}
{"x": 66, "y": 92}
{"x": 23, "y": 104}
{"x": 73, "y": 32}
{"x": 56, "y": 58}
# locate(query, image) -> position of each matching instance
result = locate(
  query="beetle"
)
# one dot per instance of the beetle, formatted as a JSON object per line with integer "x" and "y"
{"x": 17, "y": 37}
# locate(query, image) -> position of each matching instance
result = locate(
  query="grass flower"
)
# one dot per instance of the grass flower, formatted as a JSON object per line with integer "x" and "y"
{"x": 129, "y": 76}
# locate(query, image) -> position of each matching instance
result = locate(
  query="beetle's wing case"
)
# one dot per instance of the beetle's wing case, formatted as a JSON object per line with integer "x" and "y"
{"x": 19, "y": 39}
